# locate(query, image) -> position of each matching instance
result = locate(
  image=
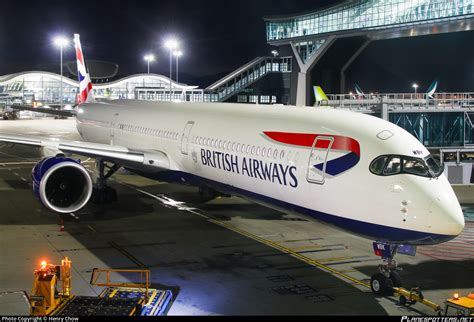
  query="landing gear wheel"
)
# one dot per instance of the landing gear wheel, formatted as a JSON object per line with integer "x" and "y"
{"x": 402, "y": 300}
{"x": 396, "y": 279}
{"x": 110, "y": 195}
{"x": 378, "y": 284}
{"x": 104, "y": 195}
{"x": 389, "y": 287}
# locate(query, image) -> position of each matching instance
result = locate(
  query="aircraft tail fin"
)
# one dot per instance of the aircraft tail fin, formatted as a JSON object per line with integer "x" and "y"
{"x": 358, "y": 90}
{"x": 320, "y": 95}
{"x": 432, "y": 89}
{"x": 85, "y": 83}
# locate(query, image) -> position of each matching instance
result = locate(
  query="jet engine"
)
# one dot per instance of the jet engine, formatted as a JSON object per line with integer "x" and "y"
{"x": 62, "y": 184}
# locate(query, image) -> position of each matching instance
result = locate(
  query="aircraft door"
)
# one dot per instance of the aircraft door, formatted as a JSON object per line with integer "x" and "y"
{"x": 318, "y": 159}
{"x": 185, "y": 138}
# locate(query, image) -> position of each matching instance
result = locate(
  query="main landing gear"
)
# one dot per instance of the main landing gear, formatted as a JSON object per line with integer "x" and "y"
{"x": 102, "y": 193}
{"x": 388, "y": 278}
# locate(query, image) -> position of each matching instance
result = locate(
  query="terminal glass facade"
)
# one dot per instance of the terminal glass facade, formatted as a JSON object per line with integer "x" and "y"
{"x": 40, "y": 87}
{"x": 46, "y": 88}
{"x": 438, "y": 129}
{"x": 368, "y": 14}
{"x": 133, "y": 88}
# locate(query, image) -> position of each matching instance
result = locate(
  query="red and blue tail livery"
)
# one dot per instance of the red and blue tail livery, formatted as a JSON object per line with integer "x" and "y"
{"x": 85, "y": 83}
{"x": 343, "y": 152}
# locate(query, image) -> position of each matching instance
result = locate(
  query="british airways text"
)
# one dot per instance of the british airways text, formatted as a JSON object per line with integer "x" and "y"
{"x": 277, "y": 173}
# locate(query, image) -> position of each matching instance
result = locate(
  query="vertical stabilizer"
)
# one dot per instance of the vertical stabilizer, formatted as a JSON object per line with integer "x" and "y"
{"x": 359, "y": 91}
{"x": 85, "y": 83}
{"x": 433, "y": 88}
{"x": 321, "y": 97}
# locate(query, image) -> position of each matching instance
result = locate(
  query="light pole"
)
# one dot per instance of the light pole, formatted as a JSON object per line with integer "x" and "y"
{"x": 149, "y": 59}
{"x": 171, "y": 44}
{"x": 178, "y": 54}
{"x": 61, "y": 42}
{"x": 415, "y": 86}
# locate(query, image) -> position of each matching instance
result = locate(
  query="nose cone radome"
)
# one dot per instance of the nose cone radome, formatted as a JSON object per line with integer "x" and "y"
{"x": 446, "y": 217}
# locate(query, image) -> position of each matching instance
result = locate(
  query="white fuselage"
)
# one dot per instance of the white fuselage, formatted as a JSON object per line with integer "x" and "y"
{"x": 262, "y": 153}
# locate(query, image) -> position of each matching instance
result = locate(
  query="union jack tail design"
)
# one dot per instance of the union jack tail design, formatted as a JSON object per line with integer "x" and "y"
{"x": 85, "y": 84}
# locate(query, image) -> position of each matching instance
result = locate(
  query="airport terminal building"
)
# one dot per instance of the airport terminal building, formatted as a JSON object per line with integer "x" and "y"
{"x": 45, "y": 87}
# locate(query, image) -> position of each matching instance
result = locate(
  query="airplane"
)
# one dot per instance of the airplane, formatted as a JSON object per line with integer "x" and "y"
{"x": 429, "y": 93}
{"x": 359, "y": 92}
{"x": 356, "y": 172}
{"x": 320, "y": 97}
{"x": 432, "y": 89}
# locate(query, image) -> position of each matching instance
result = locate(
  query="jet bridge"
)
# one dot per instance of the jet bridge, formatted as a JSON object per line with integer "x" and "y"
{"x": 311, "y": 34}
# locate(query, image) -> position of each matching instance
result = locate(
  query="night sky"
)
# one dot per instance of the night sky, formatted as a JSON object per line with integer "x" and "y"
{"x": 216, "y": 37}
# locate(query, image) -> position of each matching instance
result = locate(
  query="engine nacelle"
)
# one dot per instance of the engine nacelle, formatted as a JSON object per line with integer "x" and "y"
{"x": 62, "y": 184}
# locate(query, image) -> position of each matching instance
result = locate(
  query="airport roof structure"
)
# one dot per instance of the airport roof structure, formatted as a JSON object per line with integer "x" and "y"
{"x": 138, "y": 78}
{"x": 379, "y": 18}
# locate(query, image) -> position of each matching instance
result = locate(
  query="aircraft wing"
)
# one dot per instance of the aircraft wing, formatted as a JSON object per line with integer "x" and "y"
{"x": 111, "y": 153}
{"x": 52, "y": 111}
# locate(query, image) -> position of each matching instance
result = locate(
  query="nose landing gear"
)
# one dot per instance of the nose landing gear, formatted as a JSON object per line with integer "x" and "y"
{"x": 388, "y": 278}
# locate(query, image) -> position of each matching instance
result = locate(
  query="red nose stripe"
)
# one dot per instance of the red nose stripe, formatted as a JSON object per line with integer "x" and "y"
{"x": 307, "y": 140}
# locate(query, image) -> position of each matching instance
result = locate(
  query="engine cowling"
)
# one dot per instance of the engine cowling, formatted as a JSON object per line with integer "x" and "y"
{"x": 62, "y": 184}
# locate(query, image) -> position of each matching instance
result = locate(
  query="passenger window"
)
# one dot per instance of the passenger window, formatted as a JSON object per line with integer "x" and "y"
{"x": 282, "y": 154}
{"x": 248, "y": 149}
{"x": 269, "y": 153}
{"x": 378, "y": 165}
{"x": 234, "y": 145}
{"x": 253, "y": 150}
{"x": 394, "y": 166}
{"x": 275, "y": 154}
{"x": 243, "y": 148}
{"x": 264, "y": 152}
{"x": 238, "y": 147}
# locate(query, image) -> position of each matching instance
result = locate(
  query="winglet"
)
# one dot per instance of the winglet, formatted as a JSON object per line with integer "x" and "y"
{"x": 85, "y": 83}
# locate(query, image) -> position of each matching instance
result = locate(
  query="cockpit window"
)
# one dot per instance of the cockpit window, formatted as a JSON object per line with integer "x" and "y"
{"x": 378, "y": 165}
{"x": 415, "y": 166}
{"x": 434, "y": 167}
{"x": 393, "y": 166}
{"x": 390, "y": 165}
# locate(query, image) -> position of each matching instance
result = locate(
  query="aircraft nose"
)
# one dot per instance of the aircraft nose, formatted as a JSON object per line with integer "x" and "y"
{"x": 449, "y": 217}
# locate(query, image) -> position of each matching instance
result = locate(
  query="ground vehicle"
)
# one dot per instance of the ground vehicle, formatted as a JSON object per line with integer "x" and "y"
{"x": 456, "y": 306}
{"x": 6, "y": 112}
{"x": 460, "y": 306}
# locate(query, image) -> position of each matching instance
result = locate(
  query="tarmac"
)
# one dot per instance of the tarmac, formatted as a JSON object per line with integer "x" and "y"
{"x": 224, "y": 257}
